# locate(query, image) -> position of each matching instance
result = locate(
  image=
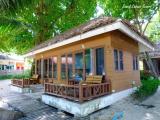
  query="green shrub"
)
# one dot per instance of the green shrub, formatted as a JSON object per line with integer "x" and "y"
{"x": 145, "y": 75}
{"x": 3, "y": 77}
{"x": 25, "y": 74}
{"x": 148, "y": 88}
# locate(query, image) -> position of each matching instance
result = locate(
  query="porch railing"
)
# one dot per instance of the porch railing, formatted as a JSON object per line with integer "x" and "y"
{"x": 21, "y": 82}
{"x": 81, "y": 92}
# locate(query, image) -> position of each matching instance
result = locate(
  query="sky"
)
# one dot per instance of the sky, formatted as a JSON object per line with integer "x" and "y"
{"x": 100, "y": 11}
{"x": 17, "y": 57}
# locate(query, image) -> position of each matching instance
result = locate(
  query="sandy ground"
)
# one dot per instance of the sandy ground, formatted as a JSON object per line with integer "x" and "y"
{"x": 4, "y": 87}
{"x": 128, "y": 108}
{"x": 131, "y": 109}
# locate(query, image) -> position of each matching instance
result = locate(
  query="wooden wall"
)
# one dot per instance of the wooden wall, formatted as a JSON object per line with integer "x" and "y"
{"x": 103, "y": 40}
{"x": 123, "y": 79}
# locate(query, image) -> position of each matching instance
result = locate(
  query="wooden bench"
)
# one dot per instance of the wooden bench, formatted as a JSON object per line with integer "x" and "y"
{"x": 34, "y": 79}
{"x": 48, "y": 80}
{"x": 94, "y": 79}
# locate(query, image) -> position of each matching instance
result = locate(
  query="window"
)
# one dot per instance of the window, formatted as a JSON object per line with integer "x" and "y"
{"x": 133, "y": 60}
{"x": 79, "y": 66}
{"x": 45, "y": 68}
{"x": 118, "y": 59}
{"x": 0, "y": 67}
{"x": 50, "y": 67}
{"x": 63, "y": 67}
{"x": 135, "y": 63}
{"x": 88, "y": 61}
{"x": 38, "y": 67}
{"x": 70, "y": 62}
{"x": 32, "y": 68}
{"x": 54, "y": 61}
{"x": 99, "y": 61}
{"x": 3, "y": 67}
{"x": 7, "y": 67}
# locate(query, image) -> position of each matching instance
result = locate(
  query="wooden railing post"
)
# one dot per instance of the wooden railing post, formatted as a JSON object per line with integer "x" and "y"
{"x": 80, "y": 93}
{"x": 28, "y": 81}
{"x": 85, "y": 92}
{"x": 110, "y": 86}
{"x": 74, "y": 92}
{"x": 23, "y": 82}
{"x": 44, "y": 87}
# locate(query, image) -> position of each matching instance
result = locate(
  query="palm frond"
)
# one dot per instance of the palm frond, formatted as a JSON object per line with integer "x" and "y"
{"x": 12, "y": 7}
{"x": 15, "y": 4}
{"x": 6, "y": 21}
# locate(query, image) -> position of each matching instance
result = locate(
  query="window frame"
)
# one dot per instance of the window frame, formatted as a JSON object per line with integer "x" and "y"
{"x": 52, "y": 67}
{"x": 47, "y": 69}
{"x": 116, "y": 60}
{"x": 135, "y": 64}
{"x": 38, "y": 67}
{"x": 86, "y": 61}
{"x": 83, "y": 57}
{"x": 95, "y": 61}
{"x": 67, "y": 72}
{"x": 119, "y": 60}
{"x": 66, "y": 76}
{"x": 83, "y": 63}
{"x": 50, "y": 58}
{"x": 73, "y": 53}
{"x": 56, "y": 68}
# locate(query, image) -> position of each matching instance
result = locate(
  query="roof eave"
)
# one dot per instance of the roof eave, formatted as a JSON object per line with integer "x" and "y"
{"x": 110, "y": 27}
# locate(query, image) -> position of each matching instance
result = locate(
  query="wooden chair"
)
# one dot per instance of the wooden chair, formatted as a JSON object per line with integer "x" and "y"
{"x": 34, "y": 79}
{"x": 93, "y": 79}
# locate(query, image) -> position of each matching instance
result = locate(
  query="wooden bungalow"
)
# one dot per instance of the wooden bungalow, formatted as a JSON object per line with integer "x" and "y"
{"x": 90, "y": 66}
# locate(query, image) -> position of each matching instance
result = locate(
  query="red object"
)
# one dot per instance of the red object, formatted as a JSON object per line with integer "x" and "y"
{"x": 19, "y": 66}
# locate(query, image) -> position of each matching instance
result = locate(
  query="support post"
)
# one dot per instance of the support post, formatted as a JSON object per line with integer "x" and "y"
{"x": 42, "y": 74}
{"x": 80, "y": 93}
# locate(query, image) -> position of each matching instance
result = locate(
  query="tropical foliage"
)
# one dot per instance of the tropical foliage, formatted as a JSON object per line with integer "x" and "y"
{"x": 148, "y": 88}
{"x": 30, "y": 22}
{"x": 25, "y": 74}
{"x": 153, "y": 30}
{"x": 149, "y": 85}
{"x": 140, "y": 12}
{"x": 26, "y": 23}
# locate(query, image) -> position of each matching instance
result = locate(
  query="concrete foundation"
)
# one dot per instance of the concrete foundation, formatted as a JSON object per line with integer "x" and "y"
{"x": 83, "y": 109}
{"x": 21, "y": 90}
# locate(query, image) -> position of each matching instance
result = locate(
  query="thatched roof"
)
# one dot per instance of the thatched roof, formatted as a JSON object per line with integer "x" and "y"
{"x": 92, "y": 24}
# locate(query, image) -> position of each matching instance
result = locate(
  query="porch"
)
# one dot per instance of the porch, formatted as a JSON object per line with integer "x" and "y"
{"x": 78, "y": 92}
{"x": 22, "y": 83}
{"x": 25, "y": 82}
{"x": 25, "y": 86}
{"x": 84, "y": 101}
